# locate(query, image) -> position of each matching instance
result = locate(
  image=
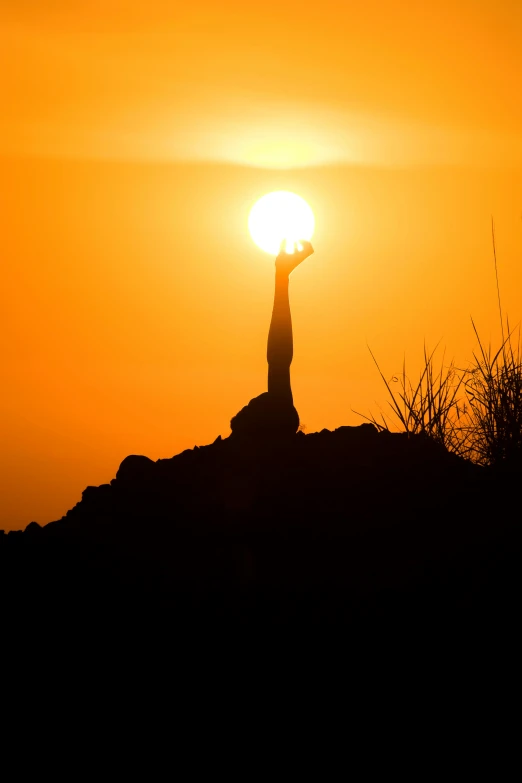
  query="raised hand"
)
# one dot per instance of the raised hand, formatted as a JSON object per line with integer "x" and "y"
{"x": 287, "y": 262}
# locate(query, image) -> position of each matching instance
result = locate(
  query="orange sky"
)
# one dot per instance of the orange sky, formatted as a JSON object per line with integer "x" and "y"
{"x": 135, "y": 138}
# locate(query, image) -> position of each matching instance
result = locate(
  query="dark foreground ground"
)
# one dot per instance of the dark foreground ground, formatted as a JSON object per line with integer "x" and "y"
{"x": 349, "y": 531}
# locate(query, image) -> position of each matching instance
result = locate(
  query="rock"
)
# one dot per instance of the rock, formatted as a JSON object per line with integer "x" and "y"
{"x": 96, "y": 498}
{"x": 33, "y": 529}
{"x": 134, "y": 468}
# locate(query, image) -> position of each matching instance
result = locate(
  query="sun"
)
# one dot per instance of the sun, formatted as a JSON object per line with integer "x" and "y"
{"x": 277, "y": 216}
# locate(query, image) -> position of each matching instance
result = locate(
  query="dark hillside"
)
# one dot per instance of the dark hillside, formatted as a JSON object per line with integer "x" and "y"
{"x": 339, "y": 528}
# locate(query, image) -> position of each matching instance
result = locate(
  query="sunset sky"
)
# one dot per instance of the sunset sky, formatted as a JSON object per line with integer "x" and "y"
{"x": 134, "y": 139}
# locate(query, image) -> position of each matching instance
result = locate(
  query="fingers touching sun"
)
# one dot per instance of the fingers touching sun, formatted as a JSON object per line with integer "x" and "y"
{"x": 282, "y": 218}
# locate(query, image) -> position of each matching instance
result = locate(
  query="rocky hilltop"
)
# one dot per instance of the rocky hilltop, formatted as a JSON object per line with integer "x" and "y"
{"x": 337, "y": 527}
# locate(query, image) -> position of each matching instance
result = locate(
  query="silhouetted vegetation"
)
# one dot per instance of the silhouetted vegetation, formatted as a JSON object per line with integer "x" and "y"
{"x": 493, "y": 423}
{"x": 474, "y": 412}
{"x": 431, "y": 407}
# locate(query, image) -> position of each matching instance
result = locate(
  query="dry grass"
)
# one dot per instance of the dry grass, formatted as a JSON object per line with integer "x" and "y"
{"x": 493, "y": 389}
{"x": 429, "y": 406}
{"x": 474, "y": 412}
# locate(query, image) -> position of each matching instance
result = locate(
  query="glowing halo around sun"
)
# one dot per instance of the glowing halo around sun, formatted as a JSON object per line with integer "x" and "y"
{"x": 277, "y": 216}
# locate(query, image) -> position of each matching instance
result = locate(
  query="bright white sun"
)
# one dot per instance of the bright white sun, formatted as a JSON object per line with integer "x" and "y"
{"x": 277, "y": 216}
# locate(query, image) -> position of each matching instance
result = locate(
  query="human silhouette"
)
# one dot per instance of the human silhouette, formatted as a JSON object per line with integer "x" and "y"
{"x": 272, "y": 415}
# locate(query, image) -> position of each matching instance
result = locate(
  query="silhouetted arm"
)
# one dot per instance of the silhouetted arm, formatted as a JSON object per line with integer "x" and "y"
{"x": 280, "y": 347}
